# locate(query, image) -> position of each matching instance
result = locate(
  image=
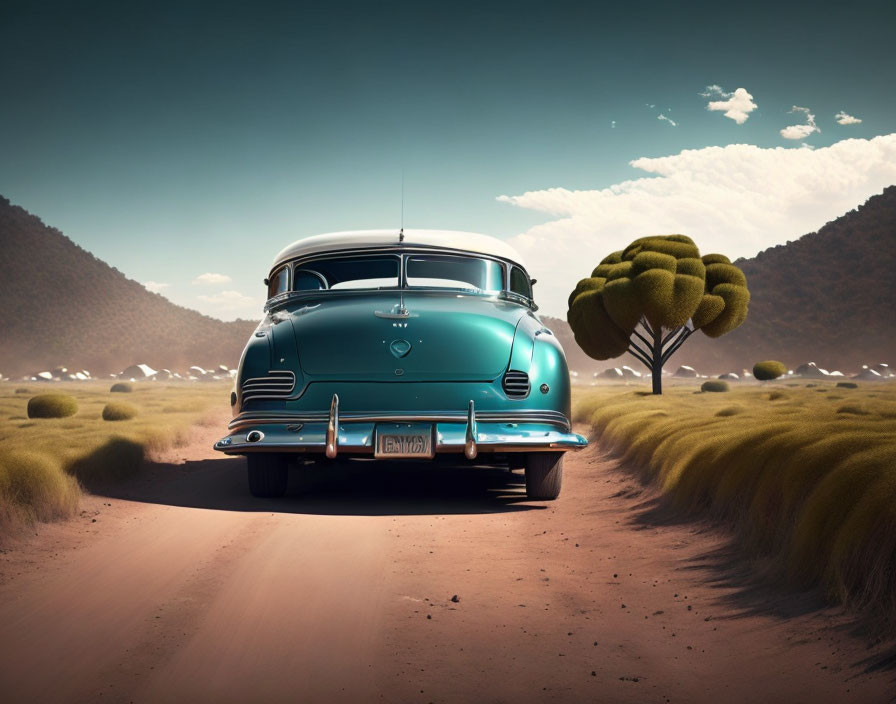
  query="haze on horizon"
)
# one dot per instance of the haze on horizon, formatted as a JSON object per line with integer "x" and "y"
{"x": 186, "y": 146}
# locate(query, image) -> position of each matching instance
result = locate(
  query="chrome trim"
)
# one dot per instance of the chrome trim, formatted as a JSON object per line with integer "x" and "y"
{"x": 276, "y": 385}
{"x": 471, "y": 434}
{"x": 333, "y": 428}
{"x": 516, "y": 384}
{"x": 519, "y": 416}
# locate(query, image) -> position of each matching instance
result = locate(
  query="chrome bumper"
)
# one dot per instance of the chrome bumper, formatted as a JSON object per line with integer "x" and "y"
{"x": 337, "y": 433}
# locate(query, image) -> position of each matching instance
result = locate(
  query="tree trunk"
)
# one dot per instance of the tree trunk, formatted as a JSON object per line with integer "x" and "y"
{"x": 656, "y": 369}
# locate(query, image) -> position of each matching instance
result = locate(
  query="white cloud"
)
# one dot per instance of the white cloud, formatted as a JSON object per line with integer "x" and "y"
{"x": 613, "y": 124}
{"x": 844, "y": 119}
{"x": 801, "y": 131}
{"x": 667, "y": 119}
{"x": 737, "y": 200}
{"x": 210, "y": 279}
{"x": 737, "y": 105}
{"x": 154, "y": 286}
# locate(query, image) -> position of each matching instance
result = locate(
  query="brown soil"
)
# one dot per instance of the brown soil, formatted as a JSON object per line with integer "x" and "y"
{"x": 179, "y": 586}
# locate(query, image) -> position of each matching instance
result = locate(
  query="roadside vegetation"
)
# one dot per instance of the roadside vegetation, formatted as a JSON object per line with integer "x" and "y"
{"x": 804, "y": 472}
{"x": 54, "y": 445}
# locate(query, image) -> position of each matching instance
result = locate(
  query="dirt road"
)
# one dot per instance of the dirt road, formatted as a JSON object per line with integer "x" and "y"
{"x": 179, "y": 587}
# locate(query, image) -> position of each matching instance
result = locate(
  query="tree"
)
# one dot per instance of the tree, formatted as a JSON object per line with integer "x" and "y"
{"x": 649, "y": 298}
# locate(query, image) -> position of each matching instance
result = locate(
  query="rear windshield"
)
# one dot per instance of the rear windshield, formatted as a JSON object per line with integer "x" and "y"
{"x": 446, "y": 271}
{"x": 347, "y": 273}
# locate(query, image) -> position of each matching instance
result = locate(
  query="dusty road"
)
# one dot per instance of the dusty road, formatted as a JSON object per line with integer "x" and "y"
{"x": 179, "y": 587}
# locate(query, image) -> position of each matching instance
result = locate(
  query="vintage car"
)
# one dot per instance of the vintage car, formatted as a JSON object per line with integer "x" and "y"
{"x": 401, "y": 345}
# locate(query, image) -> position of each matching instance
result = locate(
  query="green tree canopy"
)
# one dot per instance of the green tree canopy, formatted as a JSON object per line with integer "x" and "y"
{"x": 663, "y": 286}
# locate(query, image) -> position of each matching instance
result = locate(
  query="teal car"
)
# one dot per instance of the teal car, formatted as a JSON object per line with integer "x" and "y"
{"x": 401, "y": 345}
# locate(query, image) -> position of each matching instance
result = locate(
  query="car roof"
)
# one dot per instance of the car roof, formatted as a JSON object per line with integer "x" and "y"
{"x": 379, "y": 239}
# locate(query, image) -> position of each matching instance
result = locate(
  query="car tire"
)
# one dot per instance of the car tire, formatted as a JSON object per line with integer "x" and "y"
{"x": 268, "y": 474}
{"x": 516, "y": 460}
{"x": 544, "y": 475}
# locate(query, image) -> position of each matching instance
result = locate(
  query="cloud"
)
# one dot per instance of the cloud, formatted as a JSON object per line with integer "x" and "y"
{"x": 801, "y": 131}
{"x": 667, "y": 119}
{"x": 737, "y": 105}
{"x": 613, "y": 124}
{"x": 737, "y": 200}
{"x": 210, "y": 279}
{"x": 844, "y": 119}
{"x": 154, "y": 286}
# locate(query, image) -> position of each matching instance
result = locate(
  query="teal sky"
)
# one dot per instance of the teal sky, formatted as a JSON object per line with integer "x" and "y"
{"x": 173, "y": 142}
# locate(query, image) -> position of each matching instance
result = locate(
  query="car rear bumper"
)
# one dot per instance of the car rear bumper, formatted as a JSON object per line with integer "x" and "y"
{"x": 333, "y": 433}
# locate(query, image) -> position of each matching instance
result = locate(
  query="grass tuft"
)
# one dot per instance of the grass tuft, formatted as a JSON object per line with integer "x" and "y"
{"x": 847, "y": 385}
{"x": 768, "y": 370}
{"x": 34, "y": 487}
{"x": 715, "y": 385}
{"x": 52, "y": 406}
{"x": 121, "y": 387}
{"x": 116, "y": 410}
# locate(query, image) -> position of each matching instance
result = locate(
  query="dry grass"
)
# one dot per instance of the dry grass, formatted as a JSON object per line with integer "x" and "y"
{"x": 44, "y": 461}
{"x": 807, "y": 480}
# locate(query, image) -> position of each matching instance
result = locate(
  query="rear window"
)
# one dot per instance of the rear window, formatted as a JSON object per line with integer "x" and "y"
{"x": 279, "y": 282}
{"x": 519, "y": 282}
{"x": 446, "y": 271}
{"x": 347, "y": 273}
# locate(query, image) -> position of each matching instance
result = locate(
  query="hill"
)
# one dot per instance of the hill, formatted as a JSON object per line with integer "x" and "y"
{"x": 63, "y": 306}
{"x": 827, "y": 297}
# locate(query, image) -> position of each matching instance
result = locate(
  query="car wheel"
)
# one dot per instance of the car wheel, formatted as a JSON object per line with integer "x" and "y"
{"x": 516, "y": 460}
{"x": 268, "y": 474}
{"x": 544, "y": 475}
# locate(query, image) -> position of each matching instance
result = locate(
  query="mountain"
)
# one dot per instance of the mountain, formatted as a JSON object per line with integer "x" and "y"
{"x": 827, "y": 297}
{"x": 60, "y": 305}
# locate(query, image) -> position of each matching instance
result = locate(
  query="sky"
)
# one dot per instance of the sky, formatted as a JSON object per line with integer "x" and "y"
{"x": 187, "y": 143}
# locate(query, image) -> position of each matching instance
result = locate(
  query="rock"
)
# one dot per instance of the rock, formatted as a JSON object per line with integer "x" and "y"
{"x": 729, "y": 376}
{"x": 59, "y": 372}
{"x": 630, "y": 373}
{"x": 222, "y": 369}
{"x": 197, "y": 371}
{"x": 163, "y": 375}
{"x": 685, "y": 372}
{"x": 43, "y": 376}
{"x": 138, "y": 371}
{"x": 810, "y": 370}
{"x": 614, "y": 373}
{"x": 868, "y": 374}
{"x": 455, "y": 598}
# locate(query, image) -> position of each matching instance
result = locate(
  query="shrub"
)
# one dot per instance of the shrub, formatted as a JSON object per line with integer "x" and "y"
{"x": 853, "y": 409}
{"x": 847, "y": 385}
{"x": 121, "y": 387}
{"x": 770, "y": 369}
{"x": 714, "y": 385}
{"x": 775, "y": 395}
{"x": 33, "y": 486}
{"x": 22, "y": 391}
{"x": 52, "y": 406}
{"x": 115, "y": 410}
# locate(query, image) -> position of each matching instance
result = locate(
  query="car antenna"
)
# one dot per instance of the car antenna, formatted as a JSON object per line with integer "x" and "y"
{"x": 401, "y": 231}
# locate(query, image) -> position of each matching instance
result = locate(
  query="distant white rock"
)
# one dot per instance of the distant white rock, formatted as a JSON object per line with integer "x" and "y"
{"x": 730, "y": 376}
{"x": 197, "y": 371}
{"x": 44, "y": 376}
{"x": 162, "y": 375}
{"x": 868, "y": 374}
{"x": 222, "y": 369}
{"x": 685, "y": 372}
{"x": 135, "y": 372}
{"x": 810, "y": 370}
{"x": 630, "y": 373}
{"x": 612, "y": 373}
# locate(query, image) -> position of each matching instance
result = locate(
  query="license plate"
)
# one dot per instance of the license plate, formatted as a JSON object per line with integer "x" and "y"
{"x": 399, "y": 440}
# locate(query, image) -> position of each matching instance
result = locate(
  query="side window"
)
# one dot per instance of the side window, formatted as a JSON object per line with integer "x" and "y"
{"x": 519, "y": 282}
{"x": 279, "y": 282}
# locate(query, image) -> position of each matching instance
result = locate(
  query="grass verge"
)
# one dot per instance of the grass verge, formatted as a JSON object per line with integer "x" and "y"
{"x": 46, "y": 462}
{"x": 807, "y": 479}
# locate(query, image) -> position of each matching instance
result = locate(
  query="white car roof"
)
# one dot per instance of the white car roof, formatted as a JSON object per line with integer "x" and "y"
{"x": 362, "y": 239}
